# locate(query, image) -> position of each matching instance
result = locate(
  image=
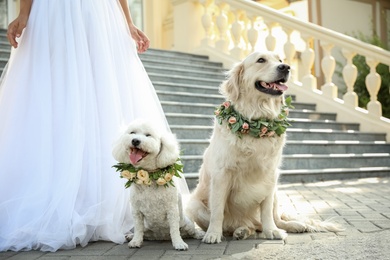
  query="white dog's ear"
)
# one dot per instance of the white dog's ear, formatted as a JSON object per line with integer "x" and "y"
{"x": 231, "y": 87}
{"x": 169, "y": 151}
{"x": 119, "y": 152}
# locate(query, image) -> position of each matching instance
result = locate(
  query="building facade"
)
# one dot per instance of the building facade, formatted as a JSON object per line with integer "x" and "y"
{"x": 351, "y": 17}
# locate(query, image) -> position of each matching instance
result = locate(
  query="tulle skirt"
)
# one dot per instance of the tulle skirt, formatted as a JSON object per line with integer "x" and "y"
{"x": 68, "y": 90}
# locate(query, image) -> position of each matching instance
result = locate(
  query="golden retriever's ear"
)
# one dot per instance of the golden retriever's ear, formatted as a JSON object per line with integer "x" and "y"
{"x": 169, "y": 151}
{"x": 231, "y": 87}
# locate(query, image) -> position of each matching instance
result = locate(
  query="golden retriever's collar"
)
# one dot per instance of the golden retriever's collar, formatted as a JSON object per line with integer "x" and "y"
{"x": 262, "y": 127}
{"x": 161, "y": 177}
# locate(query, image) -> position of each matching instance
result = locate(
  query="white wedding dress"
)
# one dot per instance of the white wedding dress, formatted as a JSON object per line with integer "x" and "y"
{"x": 68, "y": 90}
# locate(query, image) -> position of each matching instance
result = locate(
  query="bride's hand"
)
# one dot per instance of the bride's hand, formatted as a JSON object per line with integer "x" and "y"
{"x": 15, "y": 29}
{"x": 140, "y": 38}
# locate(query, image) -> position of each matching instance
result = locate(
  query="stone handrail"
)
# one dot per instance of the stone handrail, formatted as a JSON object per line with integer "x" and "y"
{"x": 231, "y": 29}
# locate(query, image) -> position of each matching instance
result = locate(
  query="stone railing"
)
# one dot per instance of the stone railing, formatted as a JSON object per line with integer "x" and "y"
{"x": 228, "y": 30}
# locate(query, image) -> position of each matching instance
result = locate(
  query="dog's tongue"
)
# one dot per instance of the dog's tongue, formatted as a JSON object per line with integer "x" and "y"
{"x": 136, "y": 155}
{"x": 274, "y": 85}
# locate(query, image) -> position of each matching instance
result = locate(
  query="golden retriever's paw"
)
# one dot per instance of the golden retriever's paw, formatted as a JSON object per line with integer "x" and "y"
{"x": 295, "y": 227}
{"x": 212, "y": 238}
{"x": 180, "y": 245}
{"x": 135, "y": 243}
{"x": 241, "y": 233}
{"x": 274, "y": 234}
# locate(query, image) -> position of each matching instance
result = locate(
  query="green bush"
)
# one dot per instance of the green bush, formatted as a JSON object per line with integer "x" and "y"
{"x": 363, "y": 70}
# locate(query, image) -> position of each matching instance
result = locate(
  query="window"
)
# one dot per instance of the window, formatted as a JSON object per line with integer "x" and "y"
{"x": 136, "y": 9}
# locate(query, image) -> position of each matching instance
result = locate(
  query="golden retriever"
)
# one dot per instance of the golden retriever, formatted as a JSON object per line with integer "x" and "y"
{"x": 236, "y": 193}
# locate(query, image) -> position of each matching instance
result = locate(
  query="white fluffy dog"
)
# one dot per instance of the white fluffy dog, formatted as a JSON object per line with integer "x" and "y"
{"x": 237, "y": 190}
{"x": 157, "y": 210}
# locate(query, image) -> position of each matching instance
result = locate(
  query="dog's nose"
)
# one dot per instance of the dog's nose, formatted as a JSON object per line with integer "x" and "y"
{"x": 283, "y": 67}
{"x": 135, "y": 142}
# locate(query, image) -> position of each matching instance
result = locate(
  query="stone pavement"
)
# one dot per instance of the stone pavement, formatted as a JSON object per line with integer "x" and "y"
{"x": 362, "y": 206}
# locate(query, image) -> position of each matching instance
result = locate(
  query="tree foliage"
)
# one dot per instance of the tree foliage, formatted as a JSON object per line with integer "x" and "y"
{"x": 363, "y": 70}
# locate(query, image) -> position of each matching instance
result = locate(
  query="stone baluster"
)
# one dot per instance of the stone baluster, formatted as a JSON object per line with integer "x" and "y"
{"x": 349, "y": 75}
{"x": 373, "y": 83}
{"x": 222, "y": 23}
{"x": 253, "y": 34}
{"x": 270, "y": 40}
{"x": 328, "y": 65}
{"x": 207, "y": 23}
{"x": 308, "y": 80}
{"x": 236, "y": 32}
{"x": 289, "y": 51}
{"x": 246, "y": 23}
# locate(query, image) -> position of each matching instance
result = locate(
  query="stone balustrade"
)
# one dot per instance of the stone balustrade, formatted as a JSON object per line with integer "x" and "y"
{"x": 231, "y": 29}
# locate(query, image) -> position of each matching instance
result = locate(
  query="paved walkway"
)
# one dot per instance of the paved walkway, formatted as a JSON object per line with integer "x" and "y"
{"x": 361, "y": 205}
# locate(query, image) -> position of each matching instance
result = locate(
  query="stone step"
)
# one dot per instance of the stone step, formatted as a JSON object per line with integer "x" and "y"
{"x": 314, "y": 175}
{"x": 332, "y": 135}
{"x": 191, "y": 73}
{"x": 189, "y": 97}
{"x": 179, "y": 57}
{"x": 198, "y": 146}
{"x": 322, "y": 124}
{"x": 167, "y": 53}
{"x": 335, "y": 147}
{"x": 3, "y": 62}
{"x": 5, "y": 53}
{"x": 4, "y": 45}
{"x": 327, "y": 161}
{"x": 180, "y": 87}
{"x": 202, "y": 66}
{"x": 192, "y": 163}
{"x": 208, "y": 109}
{"x": 196, "y": 81}
{"x": 312, "y": 115}
{"x": 204, "y": 132}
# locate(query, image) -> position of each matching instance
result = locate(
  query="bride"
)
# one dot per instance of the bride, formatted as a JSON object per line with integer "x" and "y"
{"x": 73, "y": 80}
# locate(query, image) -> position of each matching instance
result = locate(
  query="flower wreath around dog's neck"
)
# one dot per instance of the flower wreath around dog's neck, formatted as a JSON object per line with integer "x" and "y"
{"x": 161, "y": 177}
{"x": 262, "y": 127}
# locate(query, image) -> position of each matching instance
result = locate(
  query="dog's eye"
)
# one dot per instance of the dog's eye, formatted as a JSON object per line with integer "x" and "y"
{"x": 132, "y": 133}
{"x": 261, "y": 60}
{"x": 280, "y": 61}
{"x": 148, "y": 135}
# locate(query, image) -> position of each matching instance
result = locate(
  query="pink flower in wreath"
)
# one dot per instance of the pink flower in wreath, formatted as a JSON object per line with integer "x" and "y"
{"x": 263, "y": 131}
{"x": 232, "y": 120}
{"x": 270, "y": 134}
{"x": 245, "y": 126}
{"x": 217, "y": 112}
{"x": 226, "y": 104}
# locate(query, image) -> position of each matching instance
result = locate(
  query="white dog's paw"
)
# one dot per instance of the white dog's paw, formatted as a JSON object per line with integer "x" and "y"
{"x": 135, "y": 243}
{"x": 199, "y": 234}
{"x": 129, "y": 237}
{"x": 241, "y": 233}
{"x": 212, "y": 238}
{"x": 180, "y": 245}
{"x": 274, "y": 234}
